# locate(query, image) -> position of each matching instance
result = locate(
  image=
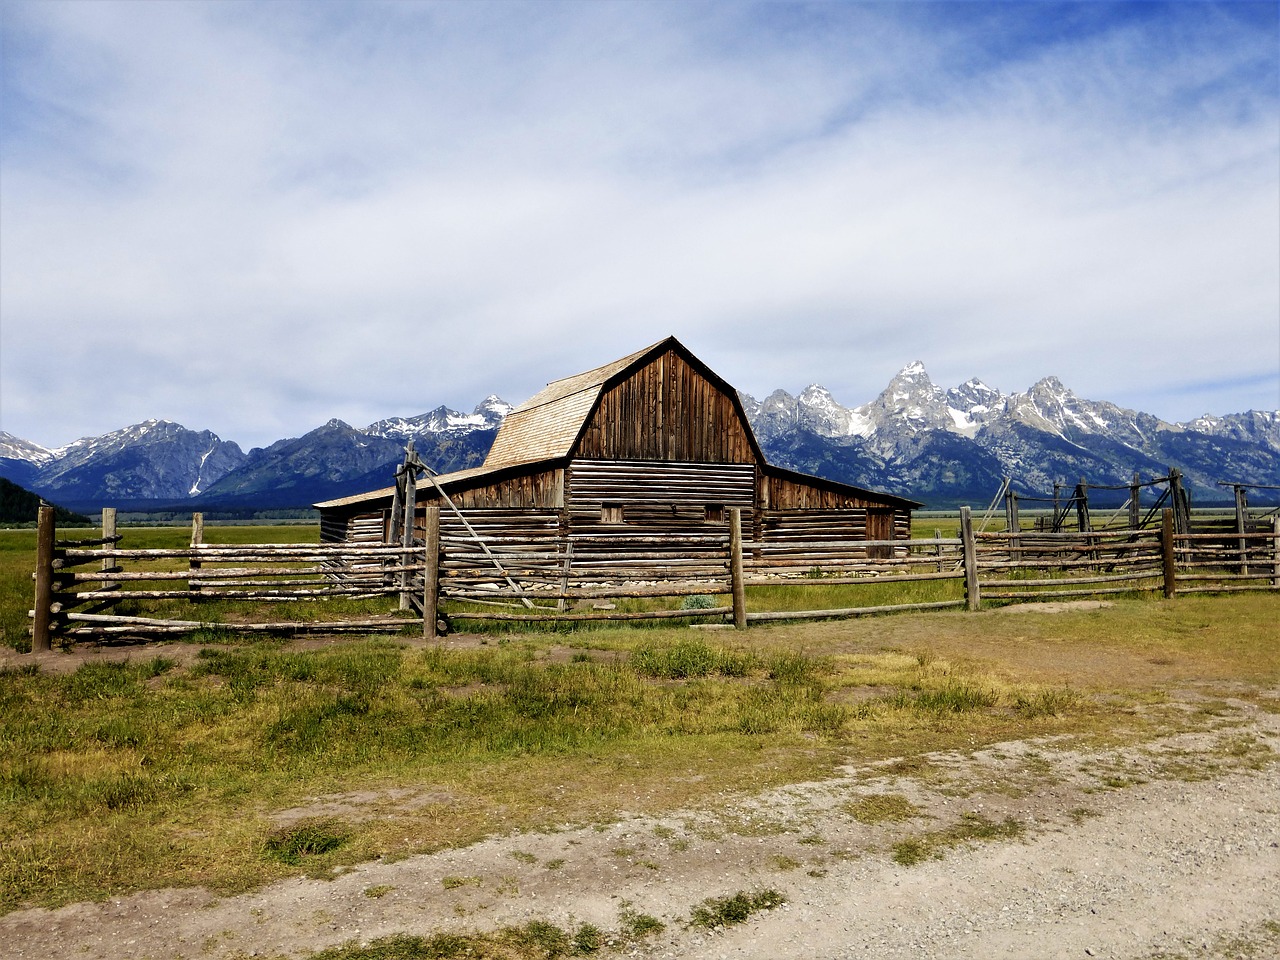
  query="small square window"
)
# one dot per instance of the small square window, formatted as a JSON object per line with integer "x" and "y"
{"x": 611, "y": 513}
{"x": 714, "y": 513}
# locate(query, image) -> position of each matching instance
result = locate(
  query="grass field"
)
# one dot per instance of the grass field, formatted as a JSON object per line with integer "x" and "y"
{"x": 184, "y": 763}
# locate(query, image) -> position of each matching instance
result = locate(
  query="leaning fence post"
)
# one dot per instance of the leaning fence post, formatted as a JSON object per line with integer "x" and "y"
{"x": 40, "y": 615}
{"x": 968, "y": 544}
{"x": 735, "y": 568}
{"x": 431, "y": 573}
{"x": 1168, "y": 554}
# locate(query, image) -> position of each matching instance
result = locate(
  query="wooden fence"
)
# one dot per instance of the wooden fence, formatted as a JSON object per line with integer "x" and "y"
{"x": 527, "y": 572}
{"x": 80, "y": 584}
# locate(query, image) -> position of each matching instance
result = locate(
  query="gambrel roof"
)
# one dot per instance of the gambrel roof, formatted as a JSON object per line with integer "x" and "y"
{"x": 547, "y": 425}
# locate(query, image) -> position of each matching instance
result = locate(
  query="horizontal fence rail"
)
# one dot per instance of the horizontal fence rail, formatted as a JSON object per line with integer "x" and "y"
{"x": 522, "y": 567}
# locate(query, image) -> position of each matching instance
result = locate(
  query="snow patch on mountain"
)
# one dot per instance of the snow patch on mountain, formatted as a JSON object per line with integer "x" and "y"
{"x": 15, "y": 448}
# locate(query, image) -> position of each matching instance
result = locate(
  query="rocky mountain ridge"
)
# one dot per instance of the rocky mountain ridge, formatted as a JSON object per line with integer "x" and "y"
{"x": 940, "y": 446}
{"x": 957, "y": 445}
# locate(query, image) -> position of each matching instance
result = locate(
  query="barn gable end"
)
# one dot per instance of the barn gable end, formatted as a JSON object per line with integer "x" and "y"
{"x": 670, "y": 408}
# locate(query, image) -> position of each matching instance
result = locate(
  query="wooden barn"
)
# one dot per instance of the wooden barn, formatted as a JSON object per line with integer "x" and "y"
{"x": 652, "y": 444}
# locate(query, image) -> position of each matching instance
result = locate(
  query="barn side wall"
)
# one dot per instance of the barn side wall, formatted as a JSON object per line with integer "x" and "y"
{"x": 362, "y": 528}
{"x": 537, "y": 490}
{"x": 784, "y": 493}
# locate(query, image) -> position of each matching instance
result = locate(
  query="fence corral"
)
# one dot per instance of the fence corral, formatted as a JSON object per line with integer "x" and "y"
{"x": 520, "y": 569}
{"x": 79, "y": 584}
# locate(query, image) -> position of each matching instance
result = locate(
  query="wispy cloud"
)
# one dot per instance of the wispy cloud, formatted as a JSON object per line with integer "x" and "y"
{"x": 252, "y": 217}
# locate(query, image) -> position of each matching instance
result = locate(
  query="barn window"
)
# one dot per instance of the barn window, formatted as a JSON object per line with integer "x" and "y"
{"x": 714, "y": 513}
{"x": 611, "y": 512}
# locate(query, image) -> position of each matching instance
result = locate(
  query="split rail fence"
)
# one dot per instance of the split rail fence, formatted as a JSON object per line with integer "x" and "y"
{"x": 464, "y": 571}
{"x": 80, "y": 584}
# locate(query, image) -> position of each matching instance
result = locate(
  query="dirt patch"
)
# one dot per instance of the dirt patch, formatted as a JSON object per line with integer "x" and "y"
{"x": 1055, "y": 606}
{"x": 1039, "y": 848}
{"x": 76, "y": 656}
{"x": 364, "y": 805}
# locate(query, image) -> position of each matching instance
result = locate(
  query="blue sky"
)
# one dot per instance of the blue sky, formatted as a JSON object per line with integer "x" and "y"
{"x": 253, "y": 217}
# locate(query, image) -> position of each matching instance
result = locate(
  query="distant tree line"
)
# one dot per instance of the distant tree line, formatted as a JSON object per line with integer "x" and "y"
{"x": 18, "y": 505}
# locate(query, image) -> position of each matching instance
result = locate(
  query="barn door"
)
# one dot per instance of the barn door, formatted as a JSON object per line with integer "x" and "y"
{"x": 879, "y": 527}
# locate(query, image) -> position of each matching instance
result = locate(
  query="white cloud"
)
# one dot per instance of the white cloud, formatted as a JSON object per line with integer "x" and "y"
{"x": 257, "y": 217}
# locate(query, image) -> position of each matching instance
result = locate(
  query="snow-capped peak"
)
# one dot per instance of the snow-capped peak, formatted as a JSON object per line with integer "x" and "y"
{"x": 818, "y": 410}
{"x": 15, "y": 448}
{"x": 488, "y": 414}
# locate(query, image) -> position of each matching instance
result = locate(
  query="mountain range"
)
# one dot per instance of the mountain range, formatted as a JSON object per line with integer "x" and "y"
{"x": 942, "y": 447}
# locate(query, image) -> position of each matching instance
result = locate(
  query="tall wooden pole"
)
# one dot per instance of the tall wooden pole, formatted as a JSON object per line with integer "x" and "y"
{"x": 735, "y": 568}
{"x": 40, "y": 615}
{"x": 969, "y": 545}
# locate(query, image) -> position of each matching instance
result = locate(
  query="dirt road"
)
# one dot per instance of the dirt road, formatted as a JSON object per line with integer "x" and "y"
{"x": 1026, "y": 849}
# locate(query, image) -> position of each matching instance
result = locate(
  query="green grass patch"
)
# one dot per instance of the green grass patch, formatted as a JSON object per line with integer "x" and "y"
{"x": 300, "y": 842}
{"x": 882, "y": 808}
{"x": 971, "y": 828}
{"x": 535, "y": 940}
{"x": 735, "y": 909}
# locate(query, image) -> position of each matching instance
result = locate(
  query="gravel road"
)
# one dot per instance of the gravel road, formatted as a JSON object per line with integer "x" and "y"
{"x": 1168, "y": 849}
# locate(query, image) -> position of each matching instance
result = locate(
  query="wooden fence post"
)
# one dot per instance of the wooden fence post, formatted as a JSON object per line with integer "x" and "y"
{"x": 1275, "y": 551}
{"x": 40, "y": 615}
{"x": 1013, "y": 525}
{"x": 1242, "y": 527}
{"x": 108, "y": 532}
{"x": 735, "y": 568}
{"x": 968, "y": 543}
{"x": 431, "y": 573}
{"x": 197, "y": 539}
{"x": 563, "y": 603}
{"x": 1135, "y": 509}
{"x": 1168, "y": 554}
{"x": 410, "y": 512}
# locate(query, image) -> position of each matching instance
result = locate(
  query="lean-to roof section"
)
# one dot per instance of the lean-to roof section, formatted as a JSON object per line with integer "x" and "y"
{"x": 545, "y": 426}
{"x": 386, "y": 493}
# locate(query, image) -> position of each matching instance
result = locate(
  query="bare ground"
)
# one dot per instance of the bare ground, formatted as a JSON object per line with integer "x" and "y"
{"x": 1168, "y": 849}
